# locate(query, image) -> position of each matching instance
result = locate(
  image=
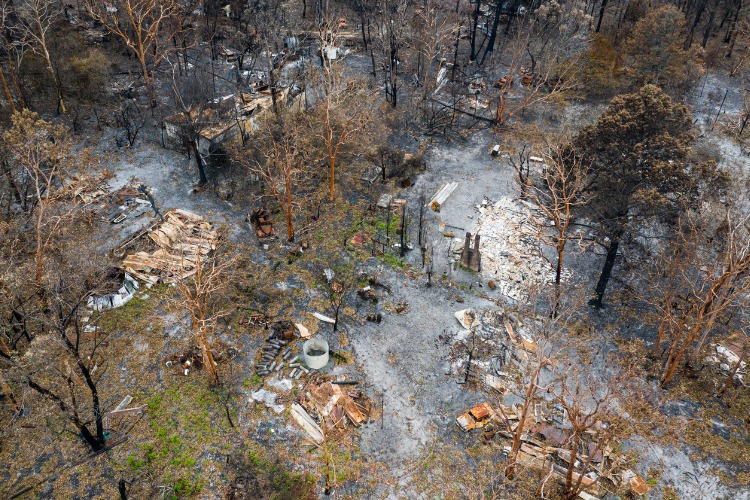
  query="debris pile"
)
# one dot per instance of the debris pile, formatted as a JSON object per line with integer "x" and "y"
{"x": 489, "y": 341}
{"x": 260, "y": 218}
{"x": 184, "y": 238}
{"x": 545, "y": 442}
{"x": 325, "y": 405}
{"x": 510, "y": 253}
{"x": 117, "y": 298}
{"x": 192, "y": 358}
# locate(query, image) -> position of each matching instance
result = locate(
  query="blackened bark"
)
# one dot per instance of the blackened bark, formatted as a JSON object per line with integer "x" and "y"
{"x": 601, "y": 15}
{"x": 493, "y": 33}
{"x": 95, "y": 442}
{"x": 701, "y": 7}
{"x": 473, "y": 34}
{"x": 199, "y": 162}
{"x": 709, "y": 26}
{"x": 609, "y": 263}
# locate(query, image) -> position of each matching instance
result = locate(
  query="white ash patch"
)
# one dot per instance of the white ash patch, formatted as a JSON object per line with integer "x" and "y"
{"x": 511, "y": 254}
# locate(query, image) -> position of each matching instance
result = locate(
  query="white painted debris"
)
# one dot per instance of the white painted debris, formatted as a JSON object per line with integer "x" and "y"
{"x": 269, "y": 398}
{"x": 301, "y": 418}
{"x": 283, "y": 384}
{"x": 322, "y": 317}
{"x": 442, "y": 195}
{"x": 385, "y": 201}
{"x": 125, "y": 402}
{"x": 510, "y": 251}
{"x": 116, "y": 299}
{"x": 303, "y": 332}
{"x": 731, "y": 357}
{"x": 467, "y": 318}
{"x": 495, "y": 382}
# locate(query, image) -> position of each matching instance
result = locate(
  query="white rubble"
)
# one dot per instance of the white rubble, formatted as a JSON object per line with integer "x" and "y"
{"x": 510, "y": 253}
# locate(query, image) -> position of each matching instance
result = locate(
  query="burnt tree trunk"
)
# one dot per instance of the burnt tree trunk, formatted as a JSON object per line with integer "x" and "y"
{"x": 601, "y": 15}
{"x": 609, "y": 263}
{"x": 199, "y": 163}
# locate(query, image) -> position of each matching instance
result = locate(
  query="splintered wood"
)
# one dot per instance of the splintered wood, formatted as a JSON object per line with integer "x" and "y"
{"x": 330, "y": 404}
{"x": 184, "y": 238}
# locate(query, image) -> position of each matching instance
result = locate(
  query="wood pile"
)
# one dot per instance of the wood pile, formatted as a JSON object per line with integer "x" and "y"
{"x": 261, "y": 219}
{"x": 334, "y": 405}
{"x": 184, "y": 238}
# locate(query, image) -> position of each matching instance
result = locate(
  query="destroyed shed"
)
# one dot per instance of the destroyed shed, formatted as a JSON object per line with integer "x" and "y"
{"x": 224, "y": 120}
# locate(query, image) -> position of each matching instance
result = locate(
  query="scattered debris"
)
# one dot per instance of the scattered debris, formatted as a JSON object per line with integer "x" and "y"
{"x": 479, "y": 416}
{"x": 467, "y": 318}
{"x": 303, "y": 332}
{"x": 371, "y": 174}
{"x": 114, "y": 418}
{"x": 442, "y": 195}
{"x": 303, "y": 419}
{"x": 510, "y": 253}
{"x": 733, "y": 350}
{"x": 385, "y": 201}
{"x": 324, "y": 318}
{"x": 635, "y": 482}
{"x": 359, "y": 239}
{"x": 269, "y": 398}
{"x": 115, "y": 299}
{"x": 261, "y": 219}
{"x": 183, "y": 239}
{"x": 282, "y": 332}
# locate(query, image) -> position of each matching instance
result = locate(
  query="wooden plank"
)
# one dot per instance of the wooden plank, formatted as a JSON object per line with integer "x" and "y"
{"x": 303, "y": 419}
{"x": 509, "y": 329}
{"x": 353, "y": 412}
{"x": 442, "y": 195}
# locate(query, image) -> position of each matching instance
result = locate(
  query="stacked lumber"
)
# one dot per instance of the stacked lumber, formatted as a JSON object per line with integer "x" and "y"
{"x": 184, "y": 238}
{"x": 185, "y": 232}
{"x": 442, "y": 195}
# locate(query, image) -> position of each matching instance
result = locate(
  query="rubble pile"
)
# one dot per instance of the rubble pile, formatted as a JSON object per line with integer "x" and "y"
{"x": 490, "y": 341}
{"x": 545, "y": 444}
{"x": 731, "y": 355}
{"x": 183, "y": 238}
{"x": 510, "y": 253}
{"x": 260, "y": 218}
{"x": 327, "y": 405}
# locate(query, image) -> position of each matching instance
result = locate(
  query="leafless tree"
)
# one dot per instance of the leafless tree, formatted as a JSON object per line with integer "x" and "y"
{"x": 201, "y": 298}
{"x": 66, "y": 365}
{"x": 343, "y": 102}
{"x": 41, "y": 153}
{"x": 38, "y": 17}
{"x": 557, "y": 196}
{"x": 694, "y": 283}
{"x": 281, "y": 161}
{"x": 131, "y": 120}
{"x": 141, "y": 25}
